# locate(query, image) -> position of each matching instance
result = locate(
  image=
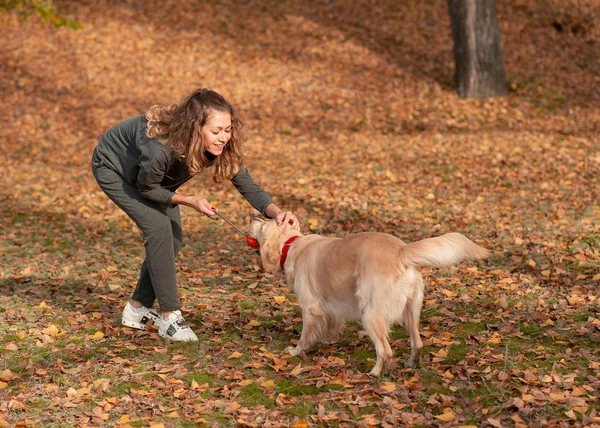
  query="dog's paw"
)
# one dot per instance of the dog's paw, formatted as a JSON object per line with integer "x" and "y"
{"x": 410, "y": 364}
{"x": 375, "y": 372}
{"x": 293, "y": 351}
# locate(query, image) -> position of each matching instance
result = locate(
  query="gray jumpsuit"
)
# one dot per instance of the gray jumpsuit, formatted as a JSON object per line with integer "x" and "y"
{"x": 140, "y": 175}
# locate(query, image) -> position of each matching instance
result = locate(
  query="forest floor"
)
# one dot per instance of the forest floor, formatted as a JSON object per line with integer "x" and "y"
{"x": 353, "y": 123}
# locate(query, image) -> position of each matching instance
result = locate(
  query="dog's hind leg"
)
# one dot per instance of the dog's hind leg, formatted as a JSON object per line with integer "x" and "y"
{"x": 314, "y": 324}
{"x": 335, "y": 327}
{"x": 410, "y": 320}
{"x": 378, "y": 331}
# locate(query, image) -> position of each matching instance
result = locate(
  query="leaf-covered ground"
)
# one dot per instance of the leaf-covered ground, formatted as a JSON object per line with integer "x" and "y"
{"x": 353, "y": 124}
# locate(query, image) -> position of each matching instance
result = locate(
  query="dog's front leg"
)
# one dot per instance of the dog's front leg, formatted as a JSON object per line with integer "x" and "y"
{"x": 313, "y": 325}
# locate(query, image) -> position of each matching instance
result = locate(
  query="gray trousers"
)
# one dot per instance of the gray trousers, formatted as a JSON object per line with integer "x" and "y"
{"x": 161, "y": 229}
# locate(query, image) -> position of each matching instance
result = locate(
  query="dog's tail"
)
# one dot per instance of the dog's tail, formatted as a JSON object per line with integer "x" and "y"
{"x": 445, "y": 250}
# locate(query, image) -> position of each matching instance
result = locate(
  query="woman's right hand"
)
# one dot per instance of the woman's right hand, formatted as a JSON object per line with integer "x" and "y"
{"x": 202, "y": 206}
{"x": 198, "y": 203}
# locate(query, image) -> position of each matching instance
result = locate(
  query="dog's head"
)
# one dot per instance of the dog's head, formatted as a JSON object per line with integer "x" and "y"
{"x": 271, "y": 238}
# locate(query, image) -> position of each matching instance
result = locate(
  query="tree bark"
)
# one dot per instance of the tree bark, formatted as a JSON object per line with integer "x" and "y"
{"x": 477, "y": 49}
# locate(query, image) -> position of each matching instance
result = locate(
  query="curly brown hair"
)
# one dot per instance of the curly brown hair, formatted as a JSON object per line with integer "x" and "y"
{"x": 179, "y": 125}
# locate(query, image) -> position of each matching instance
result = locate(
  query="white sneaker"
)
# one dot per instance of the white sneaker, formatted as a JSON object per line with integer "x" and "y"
{"x": 138, "y": 319}
{"x": 175, "y": 328}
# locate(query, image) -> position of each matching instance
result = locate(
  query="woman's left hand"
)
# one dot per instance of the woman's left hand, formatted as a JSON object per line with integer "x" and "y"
{"x": 287, "y": 217}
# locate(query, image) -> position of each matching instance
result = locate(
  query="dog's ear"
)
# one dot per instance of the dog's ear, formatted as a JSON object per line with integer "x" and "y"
{"x": 269, "y": 254}
{"x": 270, "y": 246}
{"x": 287, "y": 229}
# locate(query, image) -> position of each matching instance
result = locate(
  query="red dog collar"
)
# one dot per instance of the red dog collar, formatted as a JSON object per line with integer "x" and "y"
{"x": 285, "y": 249}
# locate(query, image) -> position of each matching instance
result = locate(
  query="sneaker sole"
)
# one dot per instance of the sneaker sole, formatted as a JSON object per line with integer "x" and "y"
{"x": 136, "y": 325}
{"x": 166, "y": 336}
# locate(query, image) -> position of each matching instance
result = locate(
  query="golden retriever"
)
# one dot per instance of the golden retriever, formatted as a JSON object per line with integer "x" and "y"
{"x": 369, "y": 276}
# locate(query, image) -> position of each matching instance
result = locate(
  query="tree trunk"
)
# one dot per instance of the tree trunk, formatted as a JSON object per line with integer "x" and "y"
{"x": 477, "y": 49}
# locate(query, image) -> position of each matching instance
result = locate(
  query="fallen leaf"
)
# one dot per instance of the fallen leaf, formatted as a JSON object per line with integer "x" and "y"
{"x": 268, "y": 384}
{"x": 234, "y": 355}
{"x": 388, "y": 386}
{"x": 96, "y": 336}
{"x": 446, "y": 416}
{"x": 51, "y": 330}
{"x": 7, "y": 375}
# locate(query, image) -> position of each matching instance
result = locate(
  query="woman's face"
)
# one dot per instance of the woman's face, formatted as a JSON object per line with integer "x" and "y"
{"x": 216, "y": 132}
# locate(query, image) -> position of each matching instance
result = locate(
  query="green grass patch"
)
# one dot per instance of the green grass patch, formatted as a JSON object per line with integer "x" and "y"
{"x": 398, "y": 333}
{"x": 251, "y": 396}
{"x": 203, "y": 378}
{"x": 216, "y": 419}
{"x": 247, "y": 304}
{"x": 456, "y": 353}
{"x": 271, "y": 322}
{"x": 365, "y": 357}
{"x": 490, "y": 396}
{"x": 291, "y": 387}
{"x": 301, "y": 409}
{"x": 470, "y": 328}
{"x": 120, "y": 389}
{"x": 532, "y": 329}
{"x": 584, "y": 316}
{"x": 433, "y": 381}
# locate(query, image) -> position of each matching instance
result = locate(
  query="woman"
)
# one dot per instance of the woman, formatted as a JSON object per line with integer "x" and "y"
{"x": 141, "y": 162}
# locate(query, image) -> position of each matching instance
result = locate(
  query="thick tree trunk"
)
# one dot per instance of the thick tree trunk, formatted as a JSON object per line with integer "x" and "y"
{"x": 477, "y": 49}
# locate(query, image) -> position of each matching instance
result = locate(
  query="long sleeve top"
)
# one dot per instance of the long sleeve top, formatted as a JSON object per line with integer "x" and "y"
{"x": 155, "y": 168}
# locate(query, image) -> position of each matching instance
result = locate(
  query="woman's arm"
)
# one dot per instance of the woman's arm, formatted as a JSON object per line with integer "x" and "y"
{"x": 198, "y": 203}
{"x": 201, "y": 205}
{"x": 261, "y": 200}
{"x": 251, "y": 191}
